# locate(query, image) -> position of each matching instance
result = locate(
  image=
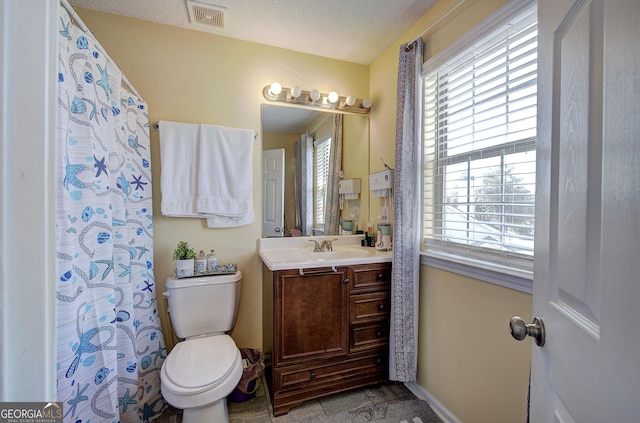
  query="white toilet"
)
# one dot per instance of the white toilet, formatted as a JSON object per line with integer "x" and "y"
{"x": 203, "y": 369}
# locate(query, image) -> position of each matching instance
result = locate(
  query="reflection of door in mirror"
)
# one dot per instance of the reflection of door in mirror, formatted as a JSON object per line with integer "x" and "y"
{"x": 273, "y": 193}
{"x": 305, "y": 179}
{"x": 282, "y": 126}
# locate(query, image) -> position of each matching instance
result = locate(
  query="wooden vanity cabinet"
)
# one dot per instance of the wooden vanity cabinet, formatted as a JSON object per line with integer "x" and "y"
{"x": 331, "y": 331}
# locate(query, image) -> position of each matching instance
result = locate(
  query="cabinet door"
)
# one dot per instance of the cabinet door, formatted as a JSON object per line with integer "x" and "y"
{"x": 310, "y": 316}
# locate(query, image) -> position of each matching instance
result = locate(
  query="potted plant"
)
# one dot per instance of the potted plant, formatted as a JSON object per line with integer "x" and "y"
{"x": 184, "y": 257}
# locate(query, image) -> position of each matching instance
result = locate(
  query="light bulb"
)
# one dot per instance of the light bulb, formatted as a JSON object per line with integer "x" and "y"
{"x": 295, "y": 91}
{"x": 275, "y": 88}
{"x": 314, "y": 95}
{"x": 350, "y": 100}
{"x": 366, "y": 103}
{"x": 333, "y": 97}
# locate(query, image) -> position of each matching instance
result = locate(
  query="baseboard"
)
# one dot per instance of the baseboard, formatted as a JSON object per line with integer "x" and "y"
{"x": 439, "y": 408}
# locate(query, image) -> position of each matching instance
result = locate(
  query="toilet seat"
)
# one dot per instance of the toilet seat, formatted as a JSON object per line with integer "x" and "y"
{"x": 198, "y": 365}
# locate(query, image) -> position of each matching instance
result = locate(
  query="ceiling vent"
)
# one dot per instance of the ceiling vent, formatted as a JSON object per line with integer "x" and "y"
{"x": 206, "y": 14}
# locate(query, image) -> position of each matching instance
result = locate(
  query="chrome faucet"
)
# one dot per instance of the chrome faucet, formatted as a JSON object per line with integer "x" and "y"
{"x": 316, "y": 246}
{"x": 327, "y": 245}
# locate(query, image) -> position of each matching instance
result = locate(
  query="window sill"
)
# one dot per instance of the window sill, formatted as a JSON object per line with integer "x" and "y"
{"x": 519, "y": 280}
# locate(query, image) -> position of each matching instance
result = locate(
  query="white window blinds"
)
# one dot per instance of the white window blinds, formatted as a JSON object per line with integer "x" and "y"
{"x": 322, "y": 154}
{"x": 479, "y": 148}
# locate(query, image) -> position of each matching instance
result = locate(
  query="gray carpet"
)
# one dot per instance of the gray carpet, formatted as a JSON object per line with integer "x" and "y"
{"x": 409, "y": 411}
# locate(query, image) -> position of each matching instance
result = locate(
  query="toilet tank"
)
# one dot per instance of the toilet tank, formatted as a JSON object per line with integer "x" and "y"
{"x": 204, "y": 304}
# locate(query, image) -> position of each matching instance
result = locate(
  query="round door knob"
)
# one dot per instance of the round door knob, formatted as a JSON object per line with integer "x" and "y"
{"x": 520, "y": 330}
{"x": 346, "y": 281}
{"x": 381, "y": 307}
{"x": 313, "y": 375}
{"x": 277, "y": 229}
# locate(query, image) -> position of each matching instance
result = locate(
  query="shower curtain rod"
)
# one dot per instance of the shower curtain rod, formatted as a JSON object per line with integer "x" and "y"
{"x": 437, "y": 21}
{"x": 84, "y": 28}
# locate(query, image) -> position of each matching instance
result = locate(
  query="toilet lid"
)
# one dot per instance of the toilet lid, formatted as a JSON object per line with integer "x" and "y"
{"x": 200, "y": 364}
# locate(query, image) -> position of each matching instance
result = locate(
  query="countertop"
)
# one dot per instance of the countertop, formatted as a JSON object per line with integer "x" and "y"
{"x": 297, "y": 252}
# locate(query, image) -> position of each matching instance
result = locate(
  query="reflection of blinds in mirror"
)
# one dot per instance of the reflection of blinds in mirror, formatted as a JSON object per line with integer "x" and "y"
{"x": 322, "y": 151}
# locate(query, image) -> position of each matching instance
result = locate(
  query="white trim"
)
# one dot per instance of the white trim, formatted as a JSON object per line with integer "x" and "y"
{"x": 27, "y": 200}
{"x": 487, "y": 272}
{"x": 511, "y": 8}
{"x": 443, "y": 412}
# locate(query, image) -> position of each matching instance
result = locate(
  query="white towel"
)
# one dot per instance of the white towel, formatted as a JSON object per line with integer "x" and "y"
{"x": 224, "y": 174}
{"x": 207, "y": 173}
{"x": 225, "y": 186}
{"x": 179, "y": 173}
{"x": 227, "y": 222}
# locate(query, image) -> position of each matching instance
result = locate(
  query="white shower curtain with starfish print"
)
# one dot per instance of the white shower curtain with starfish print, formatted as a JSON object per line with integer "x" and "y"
{"x": 110, "y": 345}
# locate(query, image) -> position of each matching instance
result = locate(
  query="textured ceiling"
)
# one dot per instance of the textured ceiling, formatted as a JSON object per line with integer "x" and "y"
{"x": 356, "y": 31}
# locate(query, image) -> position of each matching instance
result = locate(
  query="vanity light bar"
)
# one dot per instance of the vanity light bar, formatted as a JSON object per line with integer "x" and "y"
{"x": 314, "y": 98}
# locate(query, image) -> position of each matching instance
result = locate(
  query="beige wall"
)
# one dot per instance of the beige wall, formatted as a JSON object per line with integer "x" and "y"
{"x": 466, "y": 357}
{"x": 189, "y": 76}
{"x": 355, "y": 164}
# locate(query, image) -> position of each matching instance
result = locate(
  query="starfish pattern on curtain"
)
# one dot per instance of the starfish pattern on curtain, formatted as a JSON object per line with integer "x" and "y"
{"x": 110, "y": 345}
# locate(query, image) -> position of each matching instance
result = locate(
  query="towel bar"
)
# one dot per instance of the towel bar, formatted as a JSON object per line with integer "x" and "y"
{"x": 156, "y": 126}
{"x": 317, "y": 271}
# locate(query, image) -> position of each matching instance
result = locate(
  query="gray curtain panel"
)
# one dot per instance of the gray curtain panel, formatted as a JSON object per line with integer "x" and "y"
{"x": 406, "y": 229}
{"x": 332, "y": 203}
{"x": 304, "y": 184}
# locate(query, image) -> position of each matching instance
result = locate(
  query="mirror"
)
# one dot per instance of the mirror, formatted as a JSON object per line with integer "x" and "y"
{"x": 282, "y": 126}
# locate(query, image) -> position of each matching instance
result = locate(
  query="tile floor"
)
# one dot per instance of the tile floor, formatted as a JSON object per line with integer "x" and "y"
{"x": 258, "y": 409}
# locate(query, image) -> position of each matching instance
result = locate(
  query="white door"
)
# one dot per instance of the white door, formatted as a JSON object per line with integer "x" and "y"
{"x": 587, "y": 271}
{"x": 273, "y": 193}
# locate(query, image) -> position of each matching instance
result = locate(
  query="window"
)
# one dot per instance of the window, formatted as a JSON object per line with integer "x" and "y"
{"x": 479, "y": 148}
{"x": 322, "y": 150}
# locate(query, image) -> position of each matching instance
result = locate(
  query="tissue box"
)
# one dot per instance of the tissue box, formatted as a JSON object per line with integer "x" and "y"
{"x": 381, "y": 180}
{"x": 349, "y": 186}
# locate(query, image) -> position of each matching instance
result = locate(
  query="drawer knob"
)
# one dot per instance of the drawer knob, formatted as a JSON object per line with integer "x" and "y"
{"x": 346, "y": 281}
{"x": 379, "y": 334}
{"x": 381, "y": 307}
{"x": 313, "y": 375}
{"x": 380, "y": 276}
{"x": 378, "y": 360}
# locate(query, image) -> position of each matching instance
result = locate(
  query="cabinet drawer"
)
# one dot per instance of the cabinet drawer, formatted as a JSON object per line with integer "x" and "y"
{"x": 374, "y": 335}
{"x": 370, "y": 277}
{"x": 317, "y": 374}
{"x": 369, "y": 307}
